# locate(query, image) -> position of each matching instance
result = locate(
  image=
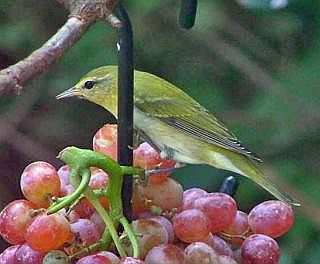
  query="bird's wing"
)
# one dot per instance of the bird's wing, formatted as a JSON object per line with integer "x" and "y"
{"x": 191, "y": 118}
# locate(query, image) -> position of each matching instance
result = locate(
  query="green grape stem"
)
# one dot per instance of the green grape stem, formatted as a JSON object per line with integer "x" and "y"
{"x": 80, "y": 161}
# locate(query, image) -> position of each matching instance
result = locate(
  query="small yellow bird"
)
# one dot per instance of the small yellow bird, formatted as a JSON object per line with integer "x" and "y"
{"x": 178, "y": 126}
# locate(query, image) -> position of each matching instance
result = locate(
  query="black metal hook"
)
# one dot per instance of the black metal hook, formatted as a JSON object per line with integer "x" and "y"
{"x": 229, "y": 186}
{"x": 187, "y": 15}
{"x": 125, "y": 103}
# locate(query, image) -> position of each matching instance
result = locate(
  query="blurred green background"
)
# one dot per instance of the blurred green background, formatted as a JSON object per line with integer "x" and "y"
{"x": 254, "y": 63}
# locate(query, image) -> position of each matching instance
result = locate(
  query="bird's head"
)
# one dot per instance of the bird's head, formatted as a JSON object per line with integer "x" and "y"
{"x": 98, "y": 86}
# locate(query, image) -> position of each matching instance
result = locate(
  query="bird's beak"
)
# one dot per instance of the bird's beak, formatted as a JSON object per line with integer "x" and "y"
{"x": 68, "y": 93}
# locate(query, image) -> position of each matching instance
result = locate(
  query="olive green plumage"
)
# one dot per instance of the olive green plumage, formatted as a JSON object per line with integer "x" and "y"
{"x": 175, "y": 123}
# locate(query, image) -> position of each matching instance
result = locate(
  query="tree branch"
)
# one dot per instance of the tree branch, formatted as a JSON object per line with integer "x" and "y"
{"x": 83, "y": 13}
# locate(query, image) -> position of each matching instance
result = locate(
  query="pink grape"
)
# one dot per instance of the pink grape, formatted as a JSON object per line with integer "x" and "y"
{"x": 110, "y": 256}
{"x": 99, "y": 178}
{"x": 220, "y": 208}
{"x": 94, "y": 259}
{"x": 105, "y": 141}
{"x": 27, "y": 255}
{"x": 130, "y": 260}
{"x": 167, "y": 225}
{"x": 190, "y": 195}
{"x": 260, "y": 249}
{"x": 63, "y": 174}
{"x": 168, "y": 254}
{"x": 98, "y": 221}
{"x": 48, "y": 232}
{"x": 14, "y": 220}
{"x": 271, "y": 218}
{"x": 85, "y": 231}
{"x": 146, "y": 157}
{"x": 220, "y": 246}
{"x": 8, "y": 255}
{"x": 191, "y": 225}
{"x": 226, "y": 260}
{"x": 151, "y": 234}
{"x": 166, "y": 195}
{"x": 239, "y": 227}
{"x": 200, "y": 253}
{"x": 39, "y": 182}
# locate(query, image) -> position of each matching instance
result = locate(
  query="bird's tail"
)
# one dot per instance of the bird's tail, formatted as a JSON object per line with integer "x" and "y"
{"x": 246, "y": 167}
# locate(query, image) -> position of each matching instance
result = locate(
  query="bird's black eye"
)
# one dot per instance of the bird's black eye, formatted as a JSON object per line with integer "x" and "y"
{"x": 89, "y": 84}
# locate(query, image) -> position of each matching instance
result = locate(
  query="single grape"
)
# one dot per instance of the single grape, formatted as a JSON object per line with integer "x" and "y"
{"x": 14, "y": 220}
{"x": 168, "y": 254}
{"x": 27, "y": 255}
{"x": 220, "y": 208}
{"x": 94, "y": 259}
{"x": 166, "y": 195}
{"x": 48, "y": 232}
{"x": 8, "y": 255}
{"x": 190, "y": 195}
{"x": 56, "y": 257}
{"x": 260, "y": 249}
{"x": 130, "y": 260}
{"x": 85, "y": 232}
{"x": 66, "y": 189}
{"x": 105, "y": 141}
{"x": 146, "y": 157}
{"x": 99, "y": 178}
{"x": 111, "y": 257}
{"x": 98, "y": 221}
{"x": 226, "y": 260}
{"x": 220, "y": 246}
{"x": 39, "y": 182}
{"x": 191, "y": 225}
{"x": 63, "y": 174}
{"x": 200, "y": 253}
{"x": 151, "y": 234}
{"x": 84, "y": 208}
{"x": 167, "y": 225}
{"x": 238, "y": 229}
{"x": 271, "y": 218}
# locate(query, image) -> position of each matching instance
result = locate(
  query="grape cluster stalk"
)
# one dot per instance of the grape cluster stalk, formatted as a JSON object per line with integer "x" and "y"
{"x": 72, "y": 215}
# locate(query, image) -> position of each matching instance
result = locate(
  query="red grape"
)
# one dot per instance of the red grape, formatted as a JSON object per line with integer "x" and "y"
{"x": 105, "y": 141}
{"x": 220, "y": 208}
{"x": 226, "y": 260}
{"x": 130, "y": 260}
{"x": 39, "y": 182}
{"x": 48, "y": 232}
{"x": 14, "y": 220}
{"x": 260, "y": 249}
{"x": 200, "y": 253}
{"x": 8, "y": 255}
{"x": 151, "y": 234}
{"x": 271, "y": 218}
{"x": 94, "y": 259}
{"x": 189, "y": 196}
{"x": 239, "y": 227}
{"x": 85, "y": 231}
{"x": 27, "y": 255}
{"x": 63, "y": 174}
{"x": 112, "y": 257}
{"x": 167, "y": 195}
{"x": 99, "y": 178}
{"x": 146, "y": 157}
{"x": 167, "y": 225}
{"x": 168, "y": 254}
{"x": 98, "y": 221}
{"x": 220, "y": 246}
{"x": 191, "y": 225}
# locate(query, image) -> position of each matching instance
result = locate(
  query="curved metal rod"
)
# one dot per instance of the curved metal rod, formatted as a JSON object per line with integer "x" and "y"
{"x": 125, "y": 103}
{"x": 187, "y": 15}
{"x": 229, "y": 186}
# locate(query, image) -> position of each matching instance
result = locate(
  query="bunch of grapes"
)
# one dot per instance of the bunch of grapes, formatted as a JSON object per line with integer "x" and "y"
{"x": 172, "y": 226}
